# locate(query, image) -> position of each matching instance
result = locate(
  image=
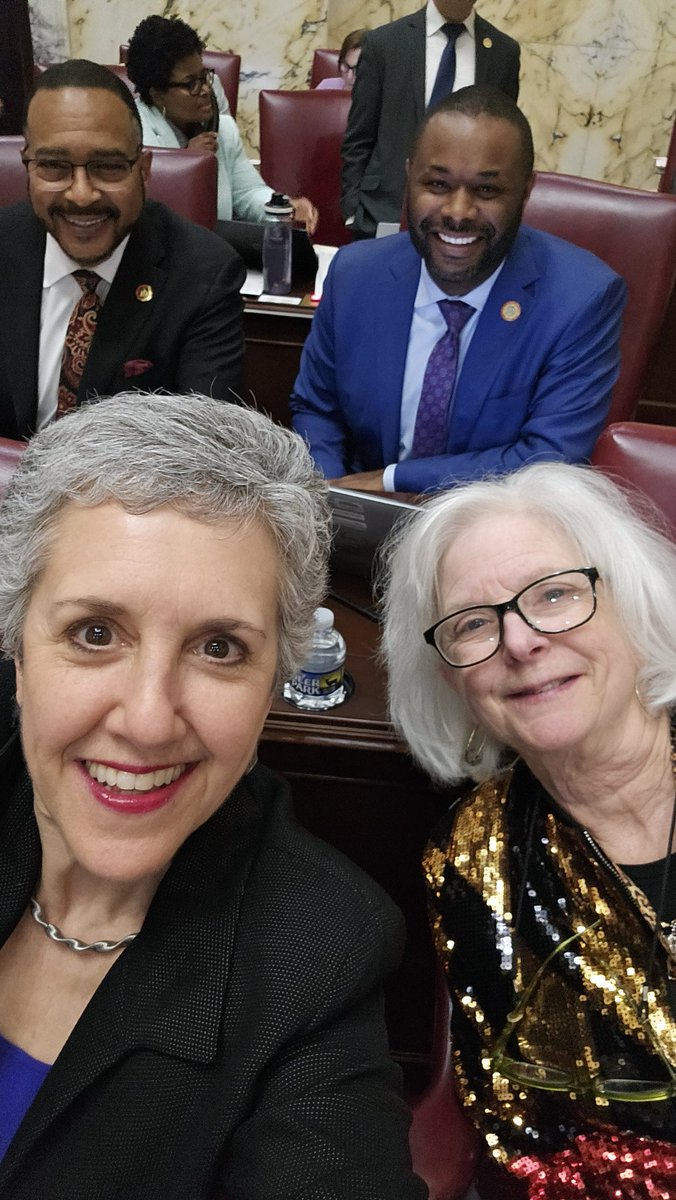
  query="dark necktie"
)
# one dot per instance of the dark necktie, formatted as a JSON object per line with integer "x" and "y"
{"x": 443, "y": 84}
{"x": 431, "y": 424}
{"x": 79, "y": 334}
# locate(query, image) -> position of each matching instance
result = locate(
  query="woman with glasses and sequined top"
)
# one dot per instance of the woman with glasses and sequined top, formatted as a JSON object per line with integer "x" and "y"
{"x": 531, "y": 645}
{"x": 183, "y": 104}
{"x": 190, "y": 983}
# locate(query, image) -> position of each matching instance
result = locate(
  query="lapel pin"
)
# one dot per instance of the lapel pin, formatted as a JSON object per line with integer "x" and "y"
{"x": 144, "y": 292}
{"x": 488, "y": 43}
{"x": 511, "y": 310}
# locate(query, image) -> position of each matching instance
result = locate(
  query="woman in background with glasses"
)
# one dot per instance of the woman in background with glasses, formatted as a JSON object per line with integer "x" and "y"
{"x": 183, "y": 104}
{"x": 350, "y": 53}
{"x": 531, "y": 644}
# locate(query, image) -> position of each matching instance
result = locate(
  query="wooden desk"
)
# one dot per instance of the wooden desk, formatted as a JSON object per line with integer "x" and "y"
{"x": 273, "y": 340}
{"x": 354, "y": 786}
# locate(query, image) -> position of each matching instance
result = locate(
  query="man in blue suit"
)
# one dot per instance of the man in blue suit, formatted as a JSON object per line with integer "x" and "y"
{"x": 533, "y": 366}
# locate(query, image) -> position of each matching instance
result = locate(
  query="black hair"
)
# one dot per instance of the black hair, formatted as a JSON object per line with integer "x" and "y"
{"x": 81, "y": 73}
{"x": 484, "y": 100}
{"x": 156, "y": 45}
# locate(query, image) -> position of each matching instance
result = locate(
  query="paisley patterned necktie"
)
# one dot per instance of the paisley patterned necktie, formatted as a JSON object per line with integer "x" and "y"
{"x": 79, "y": 334}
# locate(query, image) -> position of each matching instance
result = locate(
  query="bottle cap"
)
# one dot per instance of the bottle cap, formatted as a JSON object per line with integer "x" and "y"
{"x": 323, "y": 618}
{"x": 279, "y": 205}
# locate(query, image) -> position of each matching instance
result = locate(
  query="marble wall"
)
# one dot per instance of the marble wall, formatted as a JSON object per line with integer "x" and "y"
{"x": 598, "y": 80}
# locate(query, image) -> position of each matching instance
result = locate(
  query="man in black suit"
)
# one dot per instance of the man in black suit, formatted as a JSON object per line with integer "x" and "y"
{"x": 168, "y": 309}
{"x": 395, "y": 80}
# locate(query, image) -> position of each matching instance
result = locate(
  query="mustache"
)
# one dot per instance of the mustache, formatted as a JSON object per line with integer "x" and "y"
{"x": 461, "y": 228}
{"x": 92, "y": 210}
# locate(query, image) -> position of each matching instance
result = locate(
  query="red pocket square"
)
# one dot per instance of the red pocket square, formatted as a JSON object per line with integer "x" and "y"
{"x": 135, "y": 366}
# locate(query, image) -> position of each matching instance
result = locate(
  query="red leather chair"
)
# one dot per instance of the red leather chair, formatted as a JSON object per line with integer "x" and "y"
{"x": 227, "y": 66}
{"x": 121, "y": 73}
{"x": 645, "y": 457}
{"x": 324, "y": 66}
{"x": 445, "y": 1148}
{"x": 186, "y": 182}
{"x": 668, "y": 176}
{"x": 10, "y": 457}
{"x": 13, "y": 185}
{"x": 182, "y": 179}
{"x": 635, "y": 233}
{"x": 300, "y": 136}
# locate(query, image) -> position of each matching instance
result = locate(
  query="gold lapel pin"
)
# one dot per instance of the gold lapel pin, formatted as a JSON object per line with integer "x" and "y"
{"x": 144, "y": 293}
{"x": 488, "y": 43}
{"x": 511, "y": 310}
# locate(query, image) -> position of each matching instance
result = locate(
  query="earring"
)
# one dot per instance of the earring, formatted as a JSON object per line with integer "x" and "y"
{"x": 252, "y": 763}
{"x": 475, "y": 746}
{"x": 163, "y": 111}
{"x": 641, "y": 700}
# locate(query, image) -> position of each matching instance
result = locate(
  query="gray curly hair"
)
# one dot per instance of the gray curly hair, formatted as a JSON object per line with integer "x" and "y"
{"x": 207, "y": 459}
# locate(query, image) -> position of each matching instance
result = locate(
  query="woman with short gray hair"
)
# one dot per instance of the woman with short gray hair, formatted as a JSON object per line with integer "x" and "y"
{"x": 531, "y": 645}
{"x": 189, "y": 982}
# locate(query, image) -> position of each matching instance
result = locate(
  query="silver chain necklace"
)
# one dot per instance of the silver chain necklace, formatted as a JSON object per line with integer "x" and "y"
{"x": 75, "y": 943}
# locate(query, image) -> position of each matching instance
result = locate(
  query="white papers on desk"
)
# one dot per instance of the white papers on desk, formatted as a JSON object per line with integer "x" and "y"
{"x": 253, "y": 284}
{"x": 265, "y": 299}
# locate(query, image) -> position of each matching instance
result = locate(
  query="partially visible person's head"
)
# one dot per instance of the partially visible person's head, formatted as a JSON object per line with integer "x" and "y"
{"x": 454, "y": 10}
{"x": 350, "y": 53}
{"x": 164, "y": 62}
{"x": 481, "y": 544}
{"x": 206, "y": 460}
{"x": 469, "y": 175}
{"x": 83, "y": 153}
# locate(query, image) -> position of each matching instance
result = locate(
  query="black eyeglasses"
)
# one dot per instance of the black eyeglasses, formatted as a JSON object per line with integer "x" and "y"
{"x": 58, "y": 173}
{"x": 194, "y": 83}
{"x": 581, "y": 1081}
{"x": 554, "y": 604}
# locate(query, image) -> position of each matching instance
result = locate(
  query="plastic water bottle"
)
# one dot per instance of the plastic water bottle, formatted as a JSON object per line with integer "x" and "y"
{"x": 319, "y": 684}
{"x": 277, "y": 245}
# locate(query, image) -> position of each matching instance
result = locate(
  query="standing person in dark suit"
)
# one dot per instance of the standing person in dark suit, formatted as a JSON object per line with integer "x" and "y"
{"x": 404, "y": 66}
{"x": 155, "y": 301}
{"x": 209, "y": 1022}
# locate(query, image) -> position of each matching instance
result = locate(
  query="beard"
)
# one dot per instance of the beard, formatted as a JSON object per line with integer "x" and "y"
{"x": 456, "y": 278}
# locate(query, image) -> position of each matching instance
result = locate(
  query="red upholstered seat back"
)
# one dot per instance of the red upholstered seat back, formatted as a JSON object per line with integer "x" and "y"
{"x": 635, "y": 233}
{"x": 186, "y": 182}
{"x": 445, "y": 1147}
{"x": 301, "y": 135}
{"x": 668, "y": 178}
{"x": 182, "y": 179}
{"x": 10, "y": 456}
{"x": 121, "y": 73}
{"x": 645, "y": 457}
{"x": 324, "y": 66}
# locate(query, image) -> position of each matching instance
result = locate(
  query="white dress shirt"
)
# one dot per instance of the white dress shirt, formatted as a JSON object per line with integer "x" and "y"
{"x": 465, "y": 50}
{"x": 60, "y": 294}
{"x": 427, "y": 327}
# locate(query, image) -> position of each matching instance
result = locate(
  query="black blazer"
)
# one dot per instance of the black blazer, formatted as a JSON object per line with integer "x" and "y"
{"x": 237, "y": 1048}
{"x": 388, "y": 104}
{"x": 190, "y": 330}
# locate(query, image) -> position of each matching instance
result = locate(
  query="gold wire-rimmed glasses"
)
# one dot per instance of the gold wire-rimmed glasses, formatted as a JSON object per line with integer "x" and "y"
{"x": 553, "y": 1079}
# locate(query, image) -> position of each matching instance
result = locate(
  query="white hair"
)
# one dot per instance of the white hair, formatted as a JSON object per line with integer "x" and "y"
{"x": 623, "y": 536}
{"x": 208, "y": 459}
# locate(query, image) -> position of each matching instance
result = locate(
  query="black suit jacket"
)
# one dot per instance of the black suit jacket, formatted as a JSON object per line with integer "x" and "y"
{"x": 190, "y": 330}
{"x": 388, "y": 104}
{"x": 236, "y": 1050}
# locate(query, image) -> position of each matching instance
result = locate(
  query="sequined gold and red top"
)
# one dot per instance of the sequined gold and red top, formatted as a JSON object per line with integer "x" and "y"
{"x": 504, "y": 848}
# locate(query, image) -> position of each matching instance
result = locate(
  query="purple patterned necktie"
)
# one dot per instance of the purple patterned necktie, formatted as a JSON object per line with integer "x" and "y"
{"x": 431, "y": 423}
{"x": 79, "y": 336}
{"x": 445, "y": 78}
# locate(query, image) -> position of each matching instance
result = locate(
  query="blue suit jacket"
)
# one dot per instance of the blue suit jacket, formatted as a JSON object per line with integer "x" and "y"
{"x": 533, "y": 388}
